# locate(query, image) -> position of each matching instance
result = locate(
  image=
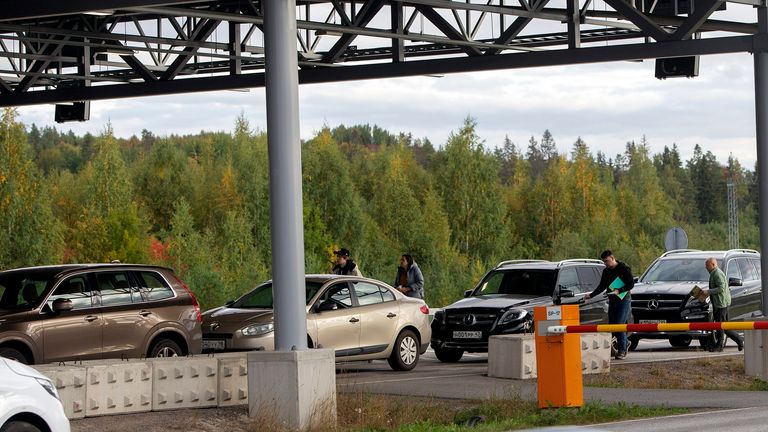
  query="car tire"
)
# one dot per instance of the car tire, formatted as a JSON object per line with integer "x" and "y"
{"x": 405, "y": 353}
{"x": 448, "y": 355}
{"x": 19, "y": 426}
{"x": 165, "y": 348}
{"x": 680, "y": 341}
{"x": 633, "y": 342}
{"x": 14, "y": 354}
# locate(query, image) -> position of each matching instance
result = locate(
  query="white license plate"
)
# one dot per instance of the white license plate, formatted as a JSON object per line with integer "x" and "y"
{"x": 213, "y": 344}
{"x": 467, "y": 334}
{"x": 653, "y": 321}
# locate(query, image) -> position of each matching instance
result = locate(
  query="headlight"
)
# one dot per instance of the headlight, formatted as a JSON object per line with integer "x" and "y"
{"x": 258, "y": 329}
{"x": 513, "y": 315}
{"x": 48, "y": 386}
{"x": 439, "y": 316}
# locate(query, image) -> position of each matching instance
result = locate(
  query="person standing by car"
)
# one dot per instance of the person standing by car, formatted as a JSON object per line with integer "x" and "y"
{"x": 344, "y": 264}
{"x": 720, "y": 295}
{"x": 617, "y": 279}
{"x": 409, "y": 279}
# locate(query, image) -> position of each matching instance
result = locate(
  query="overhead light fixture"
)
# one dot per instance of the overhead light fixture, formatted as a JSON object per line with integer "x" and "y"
{"x": 328, "y": 33}
{"x": 311, "y": 56}
{"x": 105, "y": 12}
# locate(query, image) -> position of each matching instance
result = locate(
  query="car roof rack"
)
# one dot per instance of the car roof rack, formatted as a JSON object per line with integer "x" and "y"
{"x": 676, "y": 251}
{"x": 519, "y": 261}
{"x": 579, "y": 260}
{"x": 748, "y": 251}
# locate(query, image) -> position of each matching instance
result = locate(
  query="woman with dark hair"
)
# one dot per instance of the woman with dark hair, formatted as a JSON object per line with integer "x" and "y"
{"x": 409, "y": 279}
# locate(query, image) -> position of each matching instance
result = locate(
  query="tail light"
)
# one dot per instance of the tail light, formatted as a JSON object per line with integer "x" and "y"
{"x": 424, "y": 309}
{"x": 195, "y": 304}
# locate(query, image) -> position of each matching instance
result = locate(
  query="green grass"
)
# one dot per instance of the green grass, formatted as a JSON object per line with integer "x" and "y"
{"x": 408, "y": 415}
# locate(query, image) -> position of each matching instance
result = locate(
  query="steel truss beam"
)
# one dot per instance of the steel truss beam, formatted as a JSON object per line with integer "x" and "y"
{"x": 152, "y": 47}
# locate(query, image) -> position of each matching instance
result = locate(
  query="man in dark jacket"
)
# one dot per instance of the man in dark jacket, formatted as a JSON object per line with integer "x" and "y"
{"x": 617, "y": 279}
{"x": 344, "y": 264}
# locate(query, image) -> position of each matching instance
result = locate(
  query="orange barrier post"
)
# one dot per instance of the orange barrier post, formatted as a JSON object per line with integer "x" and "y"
{"x": 558, "y": 358}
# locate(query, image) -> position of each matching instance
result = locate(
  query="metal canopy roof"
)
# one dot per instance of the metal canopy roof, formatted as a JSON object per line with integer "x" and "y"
{"x": 58, "y": 51}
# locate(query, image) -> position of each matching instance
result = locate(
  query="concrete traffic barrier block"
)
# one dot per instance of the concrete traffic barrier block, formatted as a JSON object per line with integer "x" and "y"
{"x": 179, "y": 383}
{"x": 112, "y": 388}
{"x": 512, "y": 356}
{"x": 70, "y": 383}
{"x": 233, "y": 378}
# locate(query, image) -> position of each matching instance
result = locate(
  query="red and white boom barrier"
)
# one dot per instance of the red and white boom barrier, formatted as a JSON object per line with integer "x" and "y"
{"x": 666, "y": 327}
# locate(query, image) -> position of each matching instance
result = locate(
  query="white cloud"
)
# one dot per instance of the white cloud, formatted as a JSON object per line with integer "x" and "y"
{"x": 606, "y": 104}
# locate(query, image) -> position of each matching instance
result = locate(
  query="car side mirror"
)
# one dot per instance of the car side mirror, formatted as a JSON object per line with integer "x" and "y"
{"x": 467, "y": 293}
{"x": 327, "y": 305}
{"x": 734, "y": 281}
{"x": 62, "y": 305}
{"x": 636, "y": 279}
{"x": 565, "y": 292}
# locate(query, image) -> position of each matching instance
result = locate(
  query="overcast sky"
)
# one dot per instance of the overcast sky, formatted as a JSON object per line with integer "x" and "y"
{"x": 606, "y": 104}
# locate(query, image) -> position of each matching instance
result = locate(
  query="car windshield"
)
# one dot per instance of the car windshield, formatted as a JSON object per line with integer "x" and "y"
{"x": 21, "y": 290}
{"x": 261, "y": 296}
{"x": 529, "y": 282}
{"x": 678, "y": 270}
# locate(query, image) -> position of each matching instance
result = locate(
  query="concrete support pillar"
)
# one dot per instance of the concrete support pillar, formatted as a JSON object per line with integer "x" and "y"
{"x": 294, "y": 389}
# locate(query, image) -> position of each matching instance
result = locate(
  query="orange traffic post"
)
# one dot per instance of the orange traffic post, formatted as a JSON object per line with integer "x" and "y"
{"x": 558, "y": 358}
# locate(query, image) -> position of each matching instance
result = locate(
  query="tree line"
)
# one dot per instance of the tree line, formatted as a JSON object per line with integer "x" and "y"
{"x": 200, "y": 203}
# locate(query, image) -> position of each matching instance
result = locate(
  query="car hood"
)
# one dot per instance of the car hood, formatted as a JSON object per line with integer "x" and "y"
{"x": 228, "y": 314}
{"x": 501, "y": 301}
{"x": 674, "y": 287}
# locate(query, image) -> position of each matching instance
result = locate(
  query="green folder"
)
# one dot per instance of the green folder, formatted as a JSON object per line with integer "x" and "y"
{"x": 616, "y": 284}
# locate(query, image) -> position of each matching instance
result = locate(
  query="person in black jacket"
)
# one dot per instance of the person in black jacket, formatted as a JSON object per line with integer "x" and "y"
{"x": 618, "y": 281}
{"x": 344, "y": 264}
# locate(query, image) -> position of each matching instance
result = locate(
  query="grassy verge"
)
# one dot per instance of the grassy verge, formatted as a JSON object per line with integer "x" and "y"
{"x": 386, "y": 413}
{"x": 696, "y": 374}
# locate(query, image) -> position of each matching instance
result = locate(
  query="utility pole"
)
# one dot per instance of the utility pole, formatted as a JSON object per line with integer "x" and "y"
{"x": 733, "y": 216}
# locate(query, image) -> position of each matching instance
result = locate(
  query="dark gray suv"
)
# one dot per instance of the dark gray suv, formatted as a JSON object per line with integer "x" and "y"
{"x": 94, "y": 311}
{"x": 662, "y": 294}
{"x": 503, "y": 302}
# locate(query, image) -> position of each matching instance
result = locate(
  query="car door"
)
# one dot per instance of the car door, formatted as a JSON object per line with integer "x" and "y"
{"x": 745, "y": 299}
{"x": 379, "y": 318}
{"x": 126, "y": 323}
{"x": 337, "y": 329}
{"x": 594, "y": 310}
{"x": 75, "y": 334}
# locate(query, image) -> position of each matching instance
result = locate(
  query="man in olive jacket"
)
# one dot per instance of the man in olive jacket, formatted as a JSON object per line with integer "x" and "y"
{"x": 720, "y": 295}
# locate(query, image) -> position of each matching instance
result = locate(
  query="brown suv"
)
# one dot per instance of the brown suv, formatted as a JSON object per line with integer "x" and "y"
{"x": 94, "y": 311}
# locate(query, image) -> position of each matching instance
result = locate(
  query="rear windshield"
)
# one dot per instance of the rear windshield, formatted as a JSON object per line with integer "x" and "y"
{"x": 20, "y": 290}
{"x": 261, "y": 296}
{"x": 529, "y": 282}
{"x": 678, "y": 270}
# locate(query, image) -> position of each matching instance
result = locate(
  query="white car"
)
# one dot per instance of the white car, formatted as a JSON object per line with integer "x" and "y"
{"x": 29, "y": 401}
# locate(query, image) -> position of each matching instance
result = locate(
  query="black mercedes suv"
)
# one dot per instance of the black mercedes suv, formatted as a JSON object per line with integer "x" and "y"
{"x": 503, "y": 302}
{"x": 663, "y": 292}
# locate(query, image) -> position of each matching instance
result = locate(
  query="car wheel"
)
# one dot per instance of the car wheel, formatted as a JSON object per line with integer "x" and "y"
{"x": 448, "y": 355}
{"x": 633, "y": 342}
{"x": 19, "y": 426}
{"x": 165, "y": 348}
{"x": 405, "y": 354}
{"x": 13, "y": 354}
{"x": 680, "y": 341}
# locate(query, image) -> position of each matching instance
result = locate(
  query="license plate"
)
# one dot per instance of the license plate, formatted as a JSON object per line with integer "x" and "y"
{"x": 653, "y": 321}
{"x": 467, "y": 334}
{"x": 213, "y": 344}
